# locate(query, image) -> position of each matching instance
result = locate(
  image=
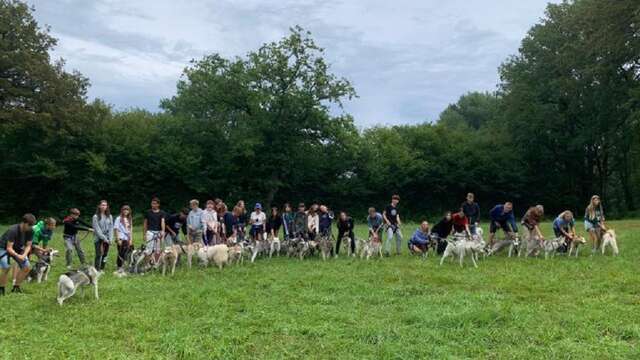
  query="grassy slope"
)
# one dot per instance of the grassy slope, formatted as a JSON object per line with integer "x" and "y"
{"x": 400, "y": 307}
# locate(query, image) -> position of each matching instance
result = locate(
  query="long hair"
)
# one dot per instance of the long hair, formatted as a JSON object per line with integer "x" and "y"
{"x": 591, "y": 209}
{"x": 566, "y": 212}
{"x": 129, "y": 217}
{"x": 106, "y": 212}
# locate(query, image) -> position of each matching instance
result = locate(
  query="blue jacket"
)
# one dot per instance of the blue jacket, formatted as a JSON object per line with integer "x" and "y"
{"x": 497, "y": 214}
{"x": 325, "y": 223}
{"x": 419, "y": 237}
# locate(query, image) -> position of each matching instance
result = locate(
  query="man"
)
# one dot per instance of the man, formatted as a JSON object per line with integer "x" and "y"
{"x": 15, "y": 244}
{"x": 502, "y": 217}
{"x": 175, "y": 224}
{"x": 73, "y": 224}
{"x": 345, "y": 228}
{"x": 153, "y": 229}
{"x": 300, "y": 222}
{"x": 375, "y": 222}
{"x": 195, "y": 227}
{"x": 391, "y": 217}
{"x": 461, "y": 223}
{"x": 42, "y": 233}
{"x": 472, "y": 212}
{"x": 258, "y": 221}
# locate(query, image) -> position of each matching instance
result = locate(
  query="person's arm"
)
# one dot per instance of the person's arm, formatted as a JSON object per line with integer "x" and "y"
{"x": 512, "y": 221}
{"x": 536, "y": 227}
{"x": 145, "y": 226}
{"x": 398, "y": 219}
{"x": 477, "y": 214}
{"x": 163, "y": 227}
{"x": 116, "y": 230}
{"x": 13, "y": 253}
{"x": 82, "y": 225}
{"x": 384, "y": 217}
{"x": 27, "y": 250}
{"x": 183, "y": 228}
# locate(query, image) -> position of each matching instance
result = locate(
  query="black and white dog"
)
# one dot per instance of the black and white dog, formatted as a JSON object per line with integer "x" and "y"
{"x": 69, "y": 282}
{"x": 40, "y": 271}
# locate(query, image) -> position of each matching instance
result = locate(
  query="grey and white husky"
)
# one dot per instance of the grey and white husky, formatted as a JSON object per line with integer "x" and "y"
{"x": 69, "y": 282}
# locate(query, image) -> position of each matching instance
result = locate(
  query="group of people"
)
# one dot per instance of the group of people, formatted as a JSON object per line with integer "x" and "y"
{"x": 215, "y": 224}
{"x": 466, "y": 221}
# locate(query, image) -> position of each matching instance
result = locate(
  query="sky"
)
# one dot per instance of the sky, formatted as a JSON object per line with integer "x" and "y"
{"x": 406, "y": 59}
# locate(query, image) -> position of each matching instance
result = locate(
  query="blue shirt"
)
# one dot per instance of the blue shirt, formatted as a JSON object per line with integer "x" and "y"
{"x": 374, "y": 222}
{"x": 419, "y": 237}
{"x": 497, "y": 214}
{"x": 325, "y": 223}
{"x": 561, "y": 223}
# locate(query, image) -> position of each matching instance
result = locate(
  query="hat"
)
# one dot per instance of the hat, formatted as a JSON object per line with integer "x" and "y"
{"x": 258, "y": 206}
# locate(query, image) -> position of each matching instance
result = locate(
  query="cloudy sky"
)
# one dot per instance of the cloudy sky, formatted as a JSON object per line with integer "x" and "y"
{"x": 407, "y": 59}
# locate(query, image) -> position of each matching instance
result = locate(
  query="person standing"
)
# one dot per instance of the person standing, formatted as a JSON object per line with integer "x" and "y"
{"x": 471, "y": 210}
{"x": 153, "y": 229}
{"x": 15, "y": 244}
{"x": 258, "y": 223}
{"x": 124, "y": 231}
{"x": 502, "y": 218}
{"x": 287, "y": 221}
{"x": 73, "y": 224}
{"x": 300, "y": 219}
{"x": 594, "y": 221}
{"x": 313, "y": 221}
{"x": 210, "y": 223}
{"x": 392, "y": 220}
{"x": 325, "y": 219}
{"x": 274, "y": 223}
{"x": 345, "y": 228}
{"x": 102, "y": 223}
{"x": 194, "y": 223}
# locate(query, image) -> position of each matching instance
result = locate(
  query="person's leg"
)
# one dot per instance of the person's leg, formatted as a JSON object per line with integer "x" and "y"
{"x": 398, "y": 241}
{"x": 22, "y": 272}
{"x": 492, "y": 233}
{"x": 339, "y": 242}
{"x": 97, "y": 245}
{"x": 79, "y": 250}
{"x": 68, "y": 252}
{"x": 103, "y": 257}
{"x": 387, "y": 242}
{"x": 353, "y": 242}
{"x": 4, "y": 270}
{"x": 121, "y": 254}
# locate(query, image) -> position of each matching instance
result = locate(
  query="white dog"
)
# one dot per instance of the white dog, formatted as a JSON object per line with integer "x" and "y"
{"x": 372, "y": 247}
{"x": 219, "y": 254}
{"x": 274, "y": 246}
{"x": 169, "y": 258}
{"x": 575, "y": 244}
{"x": 609, "y": 239}
{"x": 72, "y": 280}
{"x": 459, "y": 246}
{"x": 40, "y": 271}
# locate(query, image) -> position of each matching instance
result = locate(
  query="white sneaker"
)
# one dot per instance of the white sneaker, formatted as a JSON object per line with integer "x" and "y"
{"x": 68, "y": 267}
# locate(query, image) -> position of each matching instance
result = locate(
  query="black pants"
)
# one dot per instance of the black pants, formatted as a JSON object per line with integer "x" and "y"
{"x": 102, "y": 250}
{"x": 352, "y": 243}
{"x": 123, "y": 252}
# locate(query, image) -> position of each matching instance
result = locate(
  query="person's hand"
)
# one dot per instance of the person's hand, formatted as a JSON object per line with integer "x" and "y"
{"x": 120, "y": 243}
{"x": 21, "y": 257}
{"x": 90, "y": 230}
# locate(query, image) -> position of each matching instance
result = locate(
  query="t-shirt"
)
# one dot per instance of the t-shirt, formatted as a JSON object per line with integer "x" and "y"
{"x": 472, "y": 211}
{"x": 230, "y": 222}
{"x": 41, "y": 235}
{"x": 258, "y": 219}
{"x": 561, "y": 223}
{"x": 391, "y": 213}
{"x": 154, "y": 220}
{"x": 176, "y": 224}
{"x": 17, "y": 237}
{"x": 459, "y": 222}
{"x": 274, "y": 224}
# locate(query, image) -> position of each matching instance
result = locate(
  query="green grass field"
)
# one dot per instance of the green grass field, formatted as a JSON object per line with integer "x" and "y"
{"x": 398, "y": 307}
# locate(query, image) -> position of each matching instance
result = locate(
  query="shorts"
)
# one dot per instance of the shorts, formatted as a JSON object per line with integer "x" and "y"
{"x": 589, "y": 226}
{"x": 256, "y": 229}
{"x": 493, "y": 227}
{"x": 5, "y": 261}
{"x": 152, "y": 242}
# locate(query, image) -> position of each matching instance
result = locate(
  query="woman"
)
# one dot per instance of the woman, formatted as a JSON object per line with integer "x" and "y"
{"x": 242, "y": 217}
{"x": 313, "y": 221}
{"x": 258, "y": 223}
{"x": 345, "y": 228}
{"x": 274, "y": 223}
{"x": 102, "y": 223}
{"x": 123, "y": 227}
{"x": 564, "y": 226}
{"x": 419, "y": 242}
{"x": 594, "y": 221}
{"x": 442, "y": 230}
{"x": 531, "y": 220}
{"x": 210, "y": 223}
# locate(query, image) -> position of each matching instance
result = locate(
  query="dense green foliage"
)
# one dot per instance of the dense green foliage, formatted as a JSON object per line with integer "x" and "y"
{"x": 399, "y": 307}
{"x": 268, "y": 126}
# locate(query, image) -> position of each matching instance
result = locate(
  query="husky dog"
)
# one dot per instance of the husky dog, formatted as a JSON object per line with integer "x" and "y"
{"x": 460, "y": 246}
{"x": 169, "y": 258}
{"x": 552, "y": 245}
{"x": 72, "y": 280}
{"x": 360, "y": 245}
{"x": 236, "y": 254}
{"x": 139, "y": 262}
{"x": 513, "y": 244}
{"x": 372, "y": 247}
{"x": 326, "y": 246}
{"x": 219, "y": 254}
{"x": 274, "y": 246}
{"x": 258, "y": 247}
{"x": 575, "y": 244}
{"x": 609, "y": 239}
{"x": 40, "y": 271}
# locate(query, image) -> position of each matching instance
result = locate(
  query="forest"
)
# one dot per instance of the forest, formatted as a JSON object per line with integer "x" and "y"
{"x": 563, "y": 124}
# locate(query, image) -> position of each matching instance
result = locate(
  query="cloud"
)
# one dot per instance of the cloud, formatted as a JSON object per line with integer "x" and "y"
{"x": 407, "y": 59}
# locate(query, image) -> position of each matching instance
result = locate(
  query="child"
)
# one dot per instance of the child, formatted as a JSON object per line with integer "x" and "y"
{"x": 594, "y": 221}
{"x": 42, "y": 233}
{"x": 73, "y": 224}
{"x": 15, "y": 245}
{"x": 123, "y": 228}
{"x": 258, "y": 223}
{"x": 419, "y": 242}
{"x": 102, "y": 223}
{"x": 153, "y": 229}
{"x": 194, "y": 223}
{"x": 392, "y": 219}
{"x": 210, "y": 223}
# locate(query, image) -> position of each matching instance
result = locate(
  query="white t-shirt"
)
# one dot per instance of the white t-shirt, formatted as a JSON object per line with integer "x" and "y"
{"x": 258, "y": 219}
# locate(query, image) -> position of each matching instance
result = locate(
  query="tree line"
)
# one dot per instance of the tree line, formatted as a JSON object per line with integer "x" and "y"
{"x": 562, "y": 125}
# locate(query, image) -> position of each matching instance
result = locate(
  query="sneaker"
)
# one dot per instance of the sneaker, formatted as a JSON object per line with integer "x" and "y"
{"x": 68, "y": 267}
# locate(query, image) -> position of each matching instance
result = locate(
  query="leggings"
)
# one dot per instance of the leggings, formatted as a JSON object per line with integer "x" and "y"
{"x": 123, "y": 250}
{"x": 102, "y": 250}
{"x": 352, "y": 242}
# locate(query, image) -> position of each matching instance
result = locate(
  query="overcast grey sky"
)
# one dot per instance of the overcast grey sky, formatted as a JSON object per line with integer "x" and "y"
{"x": 407, "y": 59}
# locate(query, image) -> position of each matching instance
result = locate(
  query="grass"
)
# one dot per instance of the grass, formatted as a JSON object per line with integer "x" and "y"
{"x": 400, "y": 307}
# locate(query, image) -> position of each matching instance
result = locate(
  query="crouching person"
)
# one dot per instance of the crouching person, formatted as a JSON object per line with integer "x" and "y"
{"x": 564, "y": 226}
{"x": 15, "y": 244}
{"x": 419, "y": 242}
{"x": 531, "y": 221}
{"x": 42, "y": 233}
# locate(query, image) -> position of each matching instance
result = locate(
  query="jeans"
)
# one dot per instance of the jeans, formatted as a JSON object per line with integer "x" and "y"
{"x": 72, "y": 242}
{"x": 102, "y": 250}
{"x": 390, "y": 234}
